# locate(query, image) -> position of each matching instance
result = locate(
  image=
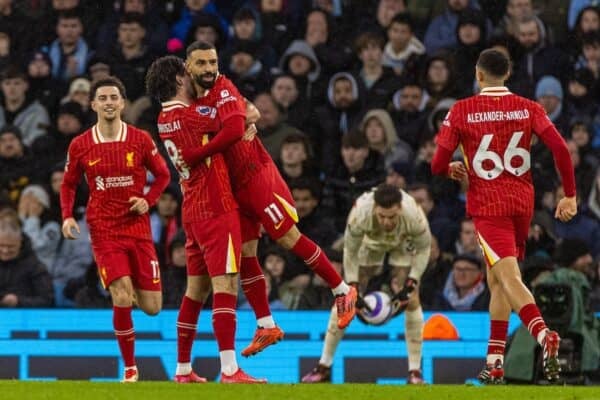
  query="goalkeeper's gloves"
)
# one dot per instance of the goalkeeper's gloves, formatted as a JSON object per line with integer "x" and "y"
{"x": 400, "y": 301}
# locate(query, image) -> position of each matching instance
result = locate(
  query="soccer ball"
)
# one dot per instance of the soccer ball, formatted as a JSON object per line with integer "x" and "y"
{"x": 379, "y": 302}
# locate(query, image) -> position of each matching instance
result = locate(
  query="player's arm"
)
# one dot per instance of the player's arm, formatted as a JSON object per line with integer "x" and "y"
{"x": 353, "y": 237}
{"x": 156, "y": 164}
{"x": 68, "y": 188}
{"x": 549, "y": 135}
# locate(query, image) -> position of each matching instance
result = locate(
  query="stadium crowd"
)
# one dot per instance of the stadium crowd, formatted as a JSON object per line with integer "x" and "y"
{"x": 351, "y": 94}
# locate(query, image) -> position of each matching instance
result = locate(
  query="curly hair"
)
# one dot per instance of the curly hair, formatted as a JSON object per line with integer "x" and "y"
{"x": 161, "y": 80}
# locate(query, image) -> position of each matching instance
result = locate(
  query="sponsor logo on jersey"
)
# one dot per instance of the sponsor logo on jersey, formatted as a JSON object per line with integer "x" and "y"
{"x": 129, "y": 158}
{"x": 224, "y": 93}
{"x": 113, "y": 182}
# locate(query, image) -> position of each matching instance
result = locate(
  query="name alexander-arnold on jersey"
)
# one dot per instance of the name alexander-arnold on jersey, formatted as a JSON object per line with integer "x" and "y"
{"x": 492, "y": 116}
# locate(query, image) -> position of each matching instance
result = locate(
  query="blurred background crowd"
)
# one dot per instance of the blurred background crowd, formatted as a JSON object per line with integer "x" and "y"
{"x": 351, "y": 94}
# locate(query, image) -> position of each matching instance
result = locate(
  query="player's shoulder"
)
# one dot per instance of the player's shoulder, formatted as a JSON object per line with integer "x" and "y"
{"x": 84, "y": 139}
{"x": 410, "y": 208}
{"x": 363, "y": 206}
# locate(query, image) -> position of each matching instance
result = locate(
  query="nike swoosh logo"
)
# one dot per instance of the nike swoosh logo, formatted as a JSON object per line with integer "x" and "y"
{"x": 94, "y": 162}
{"x": 155, "y": 281}
{"x": 277, "y": 226}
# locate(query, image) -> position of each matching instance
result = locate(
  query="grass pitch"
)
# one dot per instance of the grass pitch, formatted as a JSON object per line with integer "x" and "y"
{"x": 80, "y": 390}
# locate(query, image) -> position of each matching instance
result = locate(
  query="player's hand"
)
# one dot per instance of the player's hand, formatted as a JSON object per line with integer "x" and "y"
{"x": 139, "y": 205}
{"x": 400, "y": 301}
{"x": 252, "y": 113}
{"x": 69, "y": 225}
{"x": 566, "y": 209}
{"x": 250, "y": 133}
{"x": 10, "y": 300}
{"x": 457, "y": 171}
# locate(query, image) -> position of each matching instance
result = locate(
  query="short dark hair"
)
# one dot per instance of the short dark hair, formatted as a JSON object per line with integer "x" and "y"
{"x": 368, "y": 38}
{"x": 420, "y": 186}
{"x": 13, "y": 72}
{"x": 402, "y": 18}
{"x": 199, "y": 45}
{"x": 160, "y": 78}
{"x": 72, "y": 13}
{"x": 355, "y": 139}
{"x": 387, "y": 196}
{"x": 133, "y": 18}
{"x": 108, "y": 81}
{"x": 244, "y": 14}
{"x": 494, "y": 62}
{"x": 310, "y": 184}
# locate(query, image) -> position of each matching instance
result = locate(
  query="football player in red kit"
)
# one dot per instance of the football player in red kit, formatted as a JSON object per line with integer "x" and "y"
{"x": 494, "y": 130}
{"x": 262, "y": 194}
{"x": 114, "y": 158}
{"x": 210, "y": 218}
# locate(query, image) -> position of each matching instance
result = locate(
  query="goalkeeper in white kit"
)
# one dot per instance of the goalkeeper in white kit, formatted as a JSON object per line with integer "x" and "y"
{"x": 384, "y": 221}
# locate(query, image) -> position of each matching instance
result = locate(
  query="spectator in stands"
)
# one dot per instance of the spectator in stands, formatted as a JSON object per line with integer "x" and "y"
{"x": 409, "y": 113}
{"x": 439, "y": 79}
{"x": 272, "y": 128}
{"x": 467, "y": 243}
{"x": 400, "y": 174}
{"x": 581, "y": 101}
{"x": 19, "y": 109}
{"x": 24, "y": 280}
{"x": 580, "y": 133}
{"x": 376, "y": 82}
{"x": 173, "y": 274}
{"x": 576, "y": 8}
{"x": 296, "y": 108}
{"x": 312, "y": 220}
{"x": 465, "y": 288}
{"x": 471, "y": 37}
{"x": 130, "y": 57}
{"x": 549, "y": 93}
{"x": 384, "y": 13}
{"x": 515, "y": 11}
{"x": 165, "y": 222}
{"x": 535, "y": 57}
{"x": 335, "y": 119}
{"x": 589, "y": 58}
{"x": 155, "y": 38}
{"x": 584, "y": 171}
{"x": 296, "y": 158}
{"x": 588, "y": 20}
{"x": 69, "y": 52}
{"x": 17, "y": 28}
{"x": 361, "y": 169}
{"x": 593, "y": 201}
{"x": 206, "y": 28}
{"x": 318, "y": 296}
{"x": 16, "y": 163}
{"x": 277, "y": 27}
{"x": 246, "y": 28}
{"x": 300, "y": 61}
{"x": 441, "y": 32}
{"x": 5, "y": 50}
{"x": 540, "y": 239}
{"x": 98, "y": 68}
{"x": 285, "y": 285}
{"x": 192, "y": 9}
{"x": 43, "y": 232}
{"x": 79, "y": 92}
{"x": 382, "y": 137}
{"x": 441, "y": 226}
{"x": 88, "y": 292}
{"x": 434, "y": 277}
{"x": 246, "y": 71}
{"x": 52, "y": 148}
{"x": 331, "y": 50}
{"x": 575, "y": 254}
{"x": 403, "y": 52}
{"x": 42, "y": 86}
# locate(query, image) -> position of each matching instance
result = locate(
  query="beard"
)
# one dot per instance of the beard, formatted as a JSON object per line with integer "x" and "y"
{"x": 206, "y": 84}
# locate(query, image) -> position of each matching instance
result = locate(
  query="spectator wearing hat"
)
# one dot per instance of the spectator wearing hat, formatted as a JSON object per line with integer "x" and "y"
{"x": 16, "y": 163}
{"x": 408, "y": 111}
{"x": 19, "y": 109}
{"x": 535, "y": 269}
{"x": 471, "y": 38}
{"x": 296, "y": 159}
{"x": 272, "y": 128}
{"x": 245, "y": 70}
{"x": 155, "y": 38}
{"x": 296, "y": 108}
{"x": 173, "y": 273}
{"x": 42, "y": 86}
{"x": 300, "y": 61}
{"x": 52, "y": 148}
{"x": 465, "y": 288}
{"x": 79, "y": 92}
{"x": 44, "y": 233}
{"x": 549, "y": 93}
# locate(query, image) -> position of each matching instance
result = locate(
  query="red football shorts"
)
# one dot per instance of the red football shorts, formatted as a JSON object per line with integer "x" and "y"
{"x": 266, "y": 201}
{"x": 213, "y": 246}
{"x": 501, "y": 237}
{"x": 128, "y": 257}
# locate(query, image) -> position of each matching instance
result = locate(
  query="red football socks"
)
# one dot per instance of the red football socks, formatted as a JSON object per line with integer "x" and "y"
{"x": 254, "y": 286}
{"x": 497, "y": 342}
{"x": 316, "y": 259}
{"x": 187, "y": 323}
{"x": 532, "y": 319}
{"x": 223, "y": 319}
{"x": 123, "y": 326}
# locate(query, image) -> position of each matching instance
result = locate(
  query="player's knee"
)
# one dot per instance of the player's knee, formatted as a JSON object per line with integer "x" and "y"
{"x": 225, "y": 284}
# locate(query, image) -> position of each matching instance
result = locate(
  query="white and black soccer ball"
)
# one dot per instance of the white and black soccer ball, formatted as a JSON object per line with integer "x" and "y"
{"x": 379, "y": 302}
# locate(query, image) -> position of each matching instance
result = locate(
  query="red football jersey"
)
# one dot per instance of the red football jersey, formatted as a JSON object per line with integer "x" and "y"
{"x": 494, "y": 130}
{"x": 115, "y": 171}
{"x": 206, "y": 187}
{"x": 244, "y": 158}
